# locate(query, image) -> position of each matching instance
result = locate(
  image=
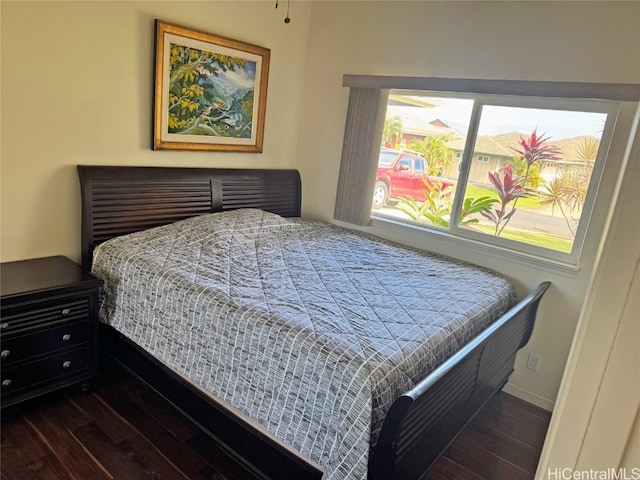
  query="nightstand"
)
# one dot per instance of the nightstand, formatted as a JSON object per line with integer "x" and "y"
{"x": 48, "y": 327}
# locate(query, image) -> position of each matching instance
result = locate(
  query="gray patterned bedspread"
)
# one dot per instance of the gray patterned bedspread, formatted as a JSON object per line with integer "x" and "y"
{"x": 307, "y": 328}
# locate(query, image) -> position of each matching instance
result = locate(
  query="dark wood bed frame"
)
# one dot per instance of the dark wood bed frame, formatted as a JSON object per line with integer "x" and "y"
{"x": 420, "y": 424}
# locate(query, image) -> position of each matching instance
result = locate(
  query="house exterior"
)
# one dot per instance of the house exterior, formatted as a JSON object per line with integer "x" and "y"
{"x": 417, "y": 132}
{"x": 493, "y": 152}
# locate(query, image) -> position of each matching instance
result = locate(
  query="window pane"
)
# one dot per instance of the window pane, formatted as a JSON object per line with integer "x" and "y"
{"x": 526, "y": 180}
{"x": 536, "y": 165}
{"x": 421, "y": 128}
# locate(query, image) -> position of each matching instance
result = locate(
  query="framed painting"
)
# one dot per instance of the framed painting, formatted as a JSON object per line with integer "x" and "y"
{"x": 210, "y": 91}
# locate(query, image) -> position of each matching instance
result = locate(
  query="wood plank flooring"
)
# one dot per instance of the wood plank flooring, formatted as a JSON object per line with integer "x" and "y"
{"x": 124, "y": 431}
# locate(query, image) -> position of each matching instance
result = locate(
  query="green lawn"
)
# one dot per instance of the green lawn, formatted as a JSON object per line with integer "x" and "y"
{"x": 532, "y": 238}
{"x": 477, "y": 192}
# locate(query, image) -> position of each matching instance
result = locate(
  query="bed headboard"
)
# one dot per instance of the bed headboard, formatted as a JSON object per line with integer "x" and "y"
{"x": 121, "y": 200}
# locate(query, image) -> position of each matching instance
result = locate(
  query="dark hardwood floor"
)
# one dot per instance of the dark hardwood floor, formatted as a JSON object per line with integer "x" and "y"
{"x": 124, "y": 431}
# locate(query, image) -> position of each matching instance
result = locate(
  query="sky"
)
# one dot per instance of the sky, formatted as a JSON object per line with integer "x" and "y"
{"x": 556, "y": 124}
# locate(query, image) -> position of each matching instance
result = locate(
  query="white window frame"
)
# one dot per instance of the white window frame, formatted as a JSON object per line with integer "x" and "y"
{"x": 363, "y": 131}
{"x": 503, "y": 246}
{"x": 482, "y": 159}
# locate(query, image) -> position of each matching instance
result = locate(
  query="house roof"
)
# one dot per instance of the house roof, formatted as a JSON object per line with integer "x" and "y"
{"x": 571, "y": 149}
{"x": 413, "y": 100}
{"x": 414, "y": 123}
{"x": 491, "y": 144}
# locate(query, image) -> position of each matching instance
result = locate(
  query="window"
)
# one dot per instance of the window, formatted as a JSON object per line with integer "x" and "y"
{"x": 532, "y": 185}
{"x": 405, "y": 164}
{"x": 573, "y": 122}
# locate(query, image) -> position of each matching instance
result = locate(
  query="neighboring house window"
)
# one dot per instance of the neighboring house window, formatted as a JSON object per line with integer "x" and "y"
{"x": 483, "y": 159}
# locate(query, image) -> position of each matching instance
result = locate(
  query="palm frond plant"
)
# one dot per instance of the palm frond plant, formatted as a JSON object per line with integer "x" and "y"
{"x": 392, "y": 131}
{"x": 588, "y": 149}
{"x": 567, "y": 195}
{"x": 435, "y": 151}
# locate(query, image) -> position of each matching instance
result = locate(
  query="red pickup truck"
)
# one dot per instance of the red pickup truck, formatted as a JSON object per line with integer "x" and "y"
{"x": 401, "y": 174}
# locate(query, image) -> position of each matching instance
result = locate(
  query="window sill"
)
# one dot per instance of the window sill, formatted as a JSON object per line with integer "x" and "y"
{"x": 446, "y": 243}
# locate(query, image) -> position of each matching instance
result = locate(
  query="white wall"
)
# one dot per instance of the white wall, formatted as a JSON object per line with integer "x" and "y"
{"x": 77, "y": 88}
{"x": 553, "y": 41}
{"x": 596, "y": 422}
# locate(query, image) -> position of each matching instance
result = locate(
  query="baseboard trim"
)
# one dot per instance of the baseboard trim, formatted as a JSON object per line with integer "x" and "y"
{"x": 529, "y": 396}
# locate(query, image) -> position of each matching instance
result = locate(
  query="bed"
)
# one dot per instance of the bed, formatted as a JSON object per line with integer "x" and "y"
{"x": 291, "y": 342}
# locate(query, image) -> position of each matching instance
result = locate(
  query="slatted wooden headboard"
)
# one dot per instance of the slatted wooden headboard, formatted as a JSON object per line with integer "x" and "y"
{"x": 121, "y": 200}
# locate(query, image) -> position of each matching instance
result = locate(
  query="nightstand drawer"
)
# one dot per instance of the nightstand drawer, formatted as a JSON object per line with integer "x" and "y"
{"x": 24, "y": 317}
{"x": 48, "y": 327}
{"x": 47, "y": 370}
{"x": 18, "y": 348}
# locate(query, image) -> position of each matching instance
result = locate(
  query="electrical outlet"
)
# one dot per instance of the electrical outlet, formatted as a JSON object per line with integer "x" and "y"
{"x": 533, "y": 362}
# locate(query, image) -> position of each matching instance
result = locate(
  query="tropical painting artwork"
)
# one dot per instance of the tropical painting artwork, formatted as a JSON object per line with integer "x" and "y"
{"x": 210, "y": 91}
{"x": 210, "y": 94}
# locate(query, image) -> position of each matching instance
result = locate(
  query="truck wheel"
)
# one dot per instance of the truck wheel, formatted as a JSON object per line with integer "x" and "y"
{"x": 380, "y": 194}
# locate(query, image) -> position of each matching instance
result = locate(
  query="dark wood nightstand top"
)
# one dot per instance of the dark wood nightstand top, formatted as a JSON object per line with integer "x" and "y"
{"x": 41, "y": 275}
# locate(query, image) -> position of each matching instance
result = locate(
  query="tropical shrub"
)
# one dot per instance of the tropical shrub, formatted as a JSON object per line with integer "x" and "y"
{"x": 534, "y": 150}
{"x": 436, "y": 209}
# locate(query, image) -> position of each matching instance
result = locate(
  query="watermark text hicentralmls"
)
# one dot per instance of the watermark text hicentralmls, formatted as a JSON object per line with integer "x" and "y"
{"x": 592, "y": 474}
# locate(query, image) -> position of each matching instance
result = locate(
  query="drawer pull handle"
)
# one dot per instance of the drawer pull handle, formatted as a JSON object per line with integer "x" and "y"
{"x": 6, "y": 383}
{"x": 4, "y": 325}
{"x": 66, "y": 337}
{"x": 5, "y": 353}
{"x": 66, "y": 364}
{"x": 66, "y": 312}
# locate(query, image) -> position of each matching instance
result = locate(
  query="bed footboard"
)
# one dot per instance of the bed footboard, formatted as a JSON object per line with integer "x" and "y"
{"x": 422, "y": 423}
{"x": 265, "y": 457}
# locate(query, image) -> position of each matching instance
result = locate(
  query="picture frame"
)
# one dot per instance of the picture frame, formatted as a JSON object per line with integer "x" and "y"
{"x": 210, "y": 91}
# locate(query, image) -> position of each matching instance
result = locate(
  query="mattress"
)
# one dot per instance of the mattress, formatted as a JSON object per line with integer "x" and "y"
{"x": 310, "y": 329}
